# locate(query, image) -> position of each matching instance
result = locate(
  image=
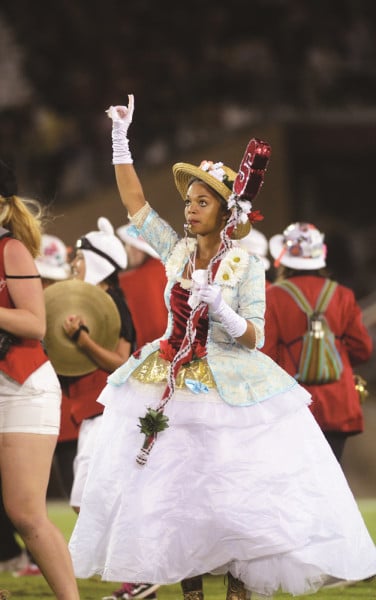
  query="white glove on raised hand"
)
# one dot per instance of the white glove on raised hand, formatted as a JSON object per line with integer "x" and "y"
{"x": 121, "y": 119}
{"x": 212, "y": 295}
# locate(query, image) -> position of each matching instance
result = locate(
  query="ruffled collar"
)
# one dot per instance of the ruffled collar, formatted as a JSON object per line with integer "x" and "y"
{"x": 229, "y": 272}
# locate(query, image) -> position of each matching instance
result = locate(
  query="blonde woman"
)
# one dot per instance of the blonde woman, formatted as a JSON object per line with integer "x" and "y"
{"x": 30, "y": 393}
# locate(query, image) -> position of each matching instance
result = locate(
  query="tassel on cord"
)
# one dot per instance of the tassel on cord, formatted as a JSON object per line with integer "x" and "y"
{"x": 183, "y": 352}
{"x": 175, "y": 365}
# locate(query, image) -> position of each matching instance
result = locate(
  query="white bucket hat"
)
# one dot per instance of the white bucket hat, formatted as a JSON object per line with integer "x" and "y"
{"x": 103, "y": 252}
{"x": 256, "y": 243}
{"x": 52, "y": 262}
{"x": 127, "y": 234}
{"x": 301, "y": 247}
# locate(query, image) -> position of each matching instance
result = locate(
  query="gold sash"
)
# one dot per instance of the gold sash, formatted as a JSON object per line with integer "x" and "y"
{"x": 154, "y": 369}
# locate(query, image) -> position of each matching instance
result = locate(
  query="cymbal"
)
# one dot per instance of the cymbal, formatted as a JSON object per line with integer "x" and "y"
{"x": 101, "y": 316}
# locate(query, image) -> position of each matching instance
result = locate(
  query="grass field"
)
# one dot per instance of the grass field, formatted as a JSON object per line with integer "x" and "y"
{"x": 35, "y": 588}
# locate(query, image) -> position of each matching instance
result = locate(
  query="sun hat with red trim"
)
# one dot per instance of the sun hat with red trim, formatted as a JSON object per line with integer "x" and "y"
{"x": 301, "y": 246}
{"x": 52, "y": 262}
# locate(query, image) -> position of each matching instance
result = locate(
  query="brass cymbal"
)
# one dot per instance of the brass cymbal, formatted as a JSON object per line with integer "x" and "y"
{"x": 101, "y": 316}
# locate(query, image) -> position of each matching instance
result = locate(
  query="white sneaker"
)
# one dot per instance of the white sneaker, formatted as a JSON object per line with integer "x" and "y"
{"x": 14, "y": 564}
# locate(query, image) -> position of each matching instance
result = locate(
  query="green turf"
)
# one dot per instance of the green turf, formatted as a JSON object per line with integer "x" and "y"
{"x": 35, "y": 588}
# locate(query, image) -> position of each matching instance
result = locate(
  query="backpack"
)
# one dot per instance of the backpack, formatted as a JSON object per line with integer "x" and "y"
{"x": 319, "y": 361}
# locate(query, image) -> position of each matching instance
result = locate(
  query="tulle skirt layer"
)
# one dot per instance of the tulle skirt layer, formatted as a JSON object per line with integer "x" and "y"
{"x": 251, "y": 490}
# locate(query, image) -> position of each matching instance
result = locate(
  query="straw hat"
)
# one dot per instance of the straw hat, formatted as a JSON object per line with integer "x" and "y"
{"x": 301, "y": 247}
{"x": 217, "y": 176}
{"x": 126, "y": 235}
{"x": 52, "y": 262}
{"x": 101, "y": 316}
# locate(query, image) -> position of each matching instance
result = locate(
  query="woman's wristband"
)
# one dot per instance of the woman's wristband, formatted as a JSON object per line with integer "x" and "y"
{"x": 77, "y": 333}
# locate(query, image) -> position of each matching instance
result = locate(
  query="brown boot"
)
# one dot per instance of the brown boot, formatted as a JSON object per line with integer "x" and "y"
{"x": 236, "y": 589}
{"x": 195, "y": 595}
{"x": 192, "y": 588}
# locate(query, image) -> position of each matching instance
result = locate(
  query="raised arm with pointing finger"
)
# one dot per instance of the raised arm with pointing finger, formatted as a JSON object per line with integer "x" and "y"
{"x": 129, "y": 185}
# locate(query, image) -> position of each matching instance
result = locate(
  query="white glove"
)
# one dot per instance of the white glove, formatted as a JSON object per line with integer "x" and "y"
{"x": 199, "y": 278}
{"x": 211, "y": 294}
{"x": 121, "y": 119}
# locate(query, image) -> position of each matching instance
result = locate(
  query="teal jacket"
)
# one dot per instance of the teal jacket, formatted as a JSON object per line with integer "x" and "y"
{"x": 243, "y": 376}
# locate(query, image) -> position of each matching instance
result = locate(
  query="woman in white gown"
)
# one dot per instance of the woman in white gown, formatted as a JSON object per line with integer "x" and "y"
{"x": 234, "y": 475}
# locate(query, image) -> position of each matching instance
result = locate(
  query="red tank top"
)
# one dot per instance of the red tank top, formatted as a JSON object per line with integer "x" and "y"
{"x": 27, "y": 355}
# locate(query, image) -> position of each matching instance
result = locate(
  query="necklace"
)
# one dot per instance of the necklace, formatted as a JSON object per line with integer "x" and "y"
{"x": 191, "y": 263}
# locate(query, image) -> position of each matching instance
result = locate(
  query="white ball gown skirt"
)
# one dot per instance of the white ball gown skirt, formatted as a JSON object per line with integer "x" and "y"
{"x": 252, "y": 490}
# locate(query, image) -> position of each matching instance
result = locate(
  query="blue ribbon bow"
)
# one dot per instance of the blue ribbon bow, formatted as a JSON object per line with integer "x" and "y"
{"x": 196, "y": 386}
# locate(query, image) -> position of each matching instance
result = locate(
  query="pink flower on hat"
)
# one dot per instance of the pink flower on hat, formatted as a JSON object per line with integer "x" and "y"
{"x": 214, "y": 169}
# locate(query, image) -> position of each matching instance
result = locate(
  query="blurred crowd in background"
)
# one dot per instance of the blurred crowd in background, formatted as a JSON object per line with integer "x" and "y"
{"x": 200, "y": 73}
{"x": 196, "y": 70}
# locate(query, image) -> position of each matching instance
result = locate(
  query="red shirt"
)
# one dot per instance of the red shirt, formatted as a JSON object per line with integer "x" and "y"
{"x": 27, "y": 355}
{"x": 335, "y": 405}
{"x": 143, "y": 288}
{"x": 82, "y": 393}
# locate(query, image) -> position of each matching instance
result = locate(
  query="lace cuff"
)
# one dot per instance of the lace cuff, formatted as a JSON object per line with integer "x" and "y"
{"x": 139, "y": 218}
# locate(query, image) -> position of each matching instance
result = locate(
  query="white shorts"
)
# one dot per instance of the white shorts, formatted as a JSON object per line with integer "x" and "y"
{"x": 31, "y": 407}
{"x": 87, "y": 438}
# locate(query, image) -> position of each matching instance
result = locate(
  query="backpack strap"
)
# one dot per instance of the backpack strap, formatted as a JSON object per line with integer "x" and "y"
{"x": 297, "y": 295}
{"x": 323, "y": 300}
{"x": 325, "y": 296}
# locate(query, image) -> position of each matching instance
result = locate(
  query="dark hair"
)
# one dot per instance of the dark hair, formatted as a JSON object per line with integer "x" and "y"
{"x": 284, "y": 272}
{"x": 113, "y": 279}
